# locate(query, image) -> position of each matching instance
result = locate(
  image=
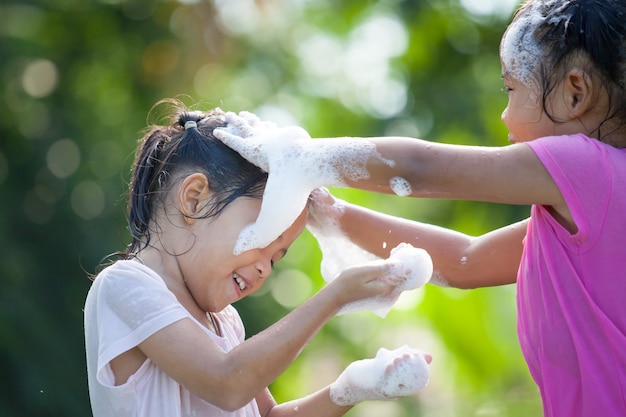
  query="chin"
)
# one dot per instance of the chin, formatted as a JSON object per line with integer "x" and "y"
{"x": 513, "y": 139}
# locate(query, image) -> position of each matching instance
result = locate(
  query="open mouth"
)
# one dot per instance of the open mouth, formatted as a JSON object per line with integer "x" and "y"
{"x": 240, "y": 282}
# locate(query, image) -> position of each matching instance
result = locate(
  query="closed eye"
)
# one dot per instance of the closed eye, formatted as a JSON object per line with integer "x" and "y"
{"x": 280, "y": 255}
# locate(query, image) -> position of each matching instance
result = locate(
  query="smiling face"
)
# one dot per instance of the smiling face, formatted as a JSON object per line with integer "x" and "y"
{"x": 216, "y": 277}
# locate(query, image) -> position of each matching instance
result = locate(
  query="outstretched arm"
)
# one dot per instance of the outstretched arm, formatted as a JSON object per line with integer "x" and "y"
{"x": 458, "y": 260}
{"x": 390, "y": 375}
{"x": 413, "y": 167}
{"x": 509, "y": 174}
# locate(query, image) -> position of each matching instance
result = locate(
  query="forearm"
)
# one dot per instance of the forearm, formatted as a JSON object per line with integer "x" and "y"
{"x": 267, "y": 354}
{"x": 509, "y": 174}
{"x": 460, "y": 260}
{"x": 314, "y": 405}
{"x": 426, "y": 166}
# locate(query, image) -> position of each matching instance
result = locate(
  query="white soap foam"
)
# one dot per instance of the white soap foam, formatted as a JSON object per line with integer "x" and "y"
{"x": 519, "y": 51}
{"x": 412, "y": 265}
{"x": 390, "y": 375}
{"x": 338, "y": 252}
{"x": 296, "y": 168}
{"x": 400, "y": 186}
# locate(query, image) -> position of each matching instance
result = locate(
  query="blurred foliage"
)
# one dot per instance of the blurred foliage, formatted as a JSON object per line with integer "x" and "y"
{"x": 77, "y": 81}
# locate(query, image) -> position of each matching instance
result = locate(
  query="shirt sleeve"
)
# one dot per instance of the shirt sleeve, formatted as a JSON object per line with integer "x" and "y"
{"x": 133, "y": 303}
{"x": 580, "y": 168}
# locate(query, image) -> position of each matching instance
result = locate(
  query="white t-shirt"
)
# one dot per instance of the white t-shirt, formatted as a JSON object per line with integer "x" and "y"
{"x": 127, "y": 303}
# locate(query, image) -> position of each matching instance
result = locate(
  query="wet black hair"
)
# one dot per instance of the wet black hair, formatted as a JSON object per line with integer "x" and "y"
{"x": 167, "y": 153}
{"x": 592, "y": 29}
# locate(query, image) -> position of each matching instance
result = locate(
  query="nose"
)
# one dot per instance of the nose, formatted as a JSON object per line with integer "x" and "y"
{"x": 263, "y": 265}
{"x": 504, "y": 115}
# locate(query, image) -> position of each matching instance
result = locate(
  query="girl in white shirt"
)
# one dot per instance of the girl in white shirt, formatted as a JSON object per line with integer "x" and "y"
{"x": 162, "y": 338}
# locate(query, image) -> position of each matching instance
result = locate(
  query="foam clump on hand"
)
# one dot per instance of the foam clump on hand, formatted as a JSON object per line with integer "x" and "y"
{"x": 409, "y": 267}
{"x": 390, "y": 375}
{"x": 296, "y": 165}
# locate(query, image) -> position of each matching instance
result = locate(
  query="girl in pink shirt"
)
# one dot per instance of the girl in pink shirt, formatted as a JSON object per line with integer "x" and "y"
{"x": 564, "y": 68}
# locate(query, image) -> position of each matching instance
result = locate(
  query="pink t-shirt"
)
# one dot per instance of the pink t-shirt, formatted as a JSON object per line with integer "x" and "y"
{"x": 127, "y": 303}
{"x": 572, "y": 287}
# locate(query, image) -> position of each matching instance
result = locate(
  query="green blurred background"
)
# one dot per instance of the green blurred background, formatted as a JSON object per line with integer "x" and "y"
{"x": 77, "y": 79}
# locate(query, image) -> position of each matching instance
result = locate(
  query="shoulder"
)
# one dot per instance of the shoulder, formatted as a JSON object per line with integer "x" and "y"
{"x": 128, "y": 285}
{"x": 572, "y": 145}
{"x": 580, "y": 157}
{"x": 128, "y": 272}
{"x": 586, "y": 172}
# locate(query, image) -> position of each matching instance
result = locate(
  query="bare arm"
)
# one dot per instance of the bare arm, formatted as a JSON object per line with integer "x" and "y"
{"x": 510, "y": 174}
{"x": 316, "y": 404}
{"x": 230, "y": 380}
{"x": 390, "y": 375}
{"x": 460, "y": 260}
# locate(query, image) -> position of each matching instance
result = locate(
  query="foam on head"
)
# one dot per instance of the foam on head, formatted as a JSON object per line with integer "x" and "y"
{"x": 296, "y": 167}
{"x": 390, "y": 375}
{"x": 520, "y": 53}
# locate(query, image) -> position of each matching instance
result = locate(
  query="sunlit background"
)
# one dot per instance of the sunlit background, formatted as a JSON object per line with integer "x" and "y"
{"x": 77, "y": 80}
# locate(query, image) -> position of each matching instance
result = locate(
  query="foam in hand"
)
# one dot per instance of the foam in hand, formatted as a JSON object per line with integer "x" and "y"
{"x": 413, "y": 265}
{"x": 410, "y": 266}
{"x": 390, "y": 375}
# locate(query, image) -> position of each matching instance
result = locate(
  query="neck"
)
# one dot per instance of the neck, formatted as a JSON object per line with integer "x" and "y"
{"x": 167, "y": 267}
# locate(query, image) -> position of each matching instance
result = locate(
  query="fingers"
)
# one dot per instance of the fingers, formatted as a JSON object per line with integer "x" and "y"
{"x": 391, "y": 374}
{"x": 244, "y": 123}
{"x": 255, "y": 122}
{"x": 325, "y": 212}
{"x": 228, "y": 137}
{"x": 377, "y": 285}
{"x": 370, "y": 272}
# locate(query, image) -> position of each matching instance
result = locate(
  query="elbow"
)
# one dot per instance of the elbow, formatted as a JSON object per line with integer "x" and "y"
{"x": 232, "y": 405}
{"x": 468, "y": 279}
{"x": 227, "y": 393}
{"x": 461, "y": 277}
{"x": 229, "y": 402}
{"x": 456, "y": 282}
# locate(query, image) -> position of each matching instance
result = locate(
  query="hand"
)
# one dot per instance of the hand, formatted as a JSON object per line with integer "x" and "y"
{"x": 254, "y": 138}
{"x": 389, "y": 376}
{"x": 407, "y": 268}
{"x": 296, "y": 165}
{"x": 275, "y": 150}
{"x": 357, "y": 284}
{"x": 324, "y": 211}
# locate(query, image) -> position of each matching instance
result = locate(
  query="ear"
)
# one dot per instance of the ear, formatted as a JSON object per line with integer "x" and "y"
{"x": 193, "y": 193}
{"x": 577, "y": 92}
